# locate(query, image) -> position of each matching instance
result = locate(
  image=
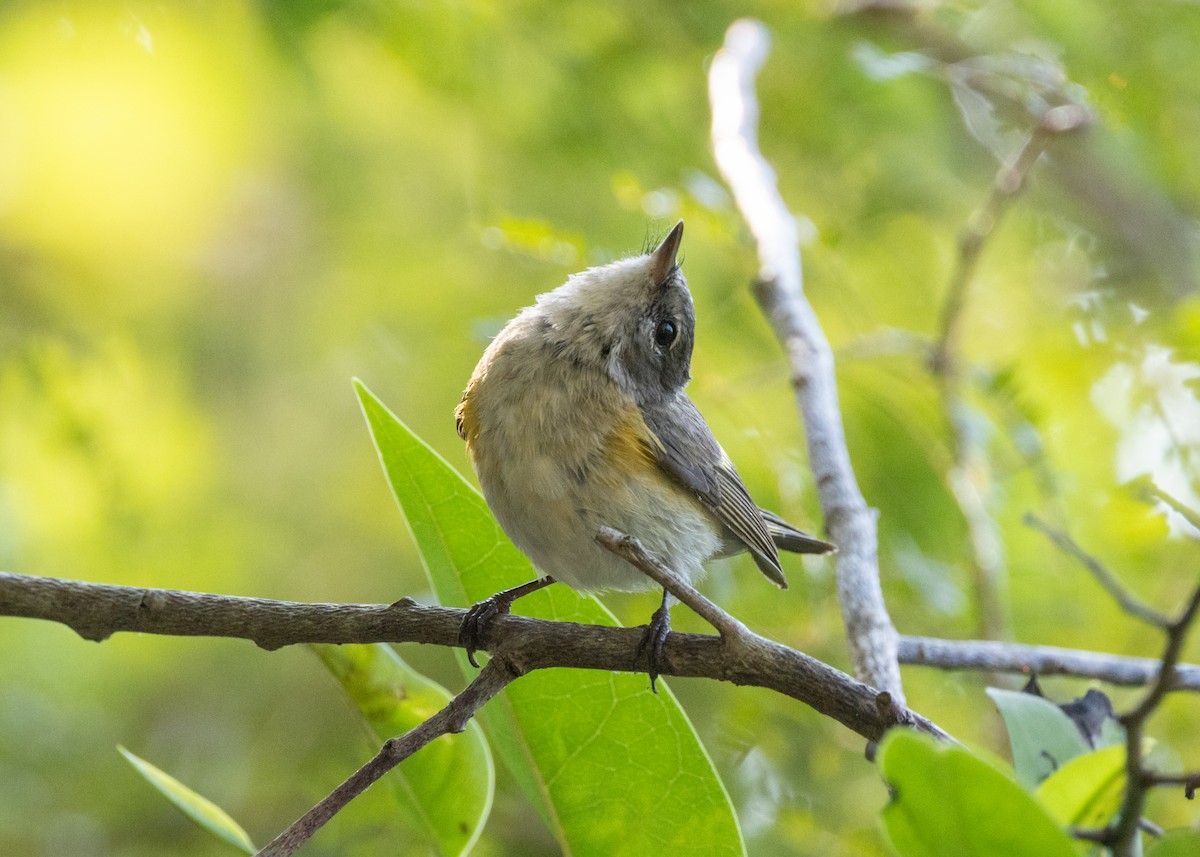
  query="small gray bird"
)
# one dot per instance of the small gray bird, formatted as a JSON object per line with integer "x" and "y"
{"x": 576, "y": 419}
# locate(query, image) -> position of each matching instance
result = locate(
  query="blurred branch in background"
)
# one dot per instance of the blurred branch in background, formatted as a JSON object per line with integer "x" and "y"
{"x": 779, "y": 289}
{"x": 1121, "y": 837}
{"x": 997, "y": 89}
{"x": 969, "y": 477}
{"x": 1113, "y": 586}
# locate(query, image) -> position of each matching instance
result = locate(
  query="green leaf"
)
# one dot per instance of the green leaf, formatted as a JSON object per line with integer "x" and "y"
{"x": 613, "y": 768}
{"x": 1086, "y": 791}
{"x": 196, "y": 807}
{"x": 1043, "y": 737}
{"x": 445, "y": 789}
{"x": 947, "y": 802}
{"x": 1176, "y": 843}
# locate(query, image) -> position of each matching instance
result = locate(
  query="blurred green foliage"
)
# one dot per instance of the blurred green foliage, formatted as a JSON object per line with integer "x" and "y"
{"x": 213, "y": 215}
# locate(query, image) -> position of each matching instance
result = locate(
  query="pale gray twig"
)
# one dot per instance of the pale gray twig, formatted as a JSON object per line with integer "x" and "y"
{"x": 779, "y": 289}
{"x": 997, "y": 657}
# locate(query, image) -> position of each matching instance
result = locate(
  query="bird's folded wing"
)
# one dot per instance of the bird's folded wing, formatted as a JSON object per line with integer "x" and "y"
{"x": 684, "y": 447}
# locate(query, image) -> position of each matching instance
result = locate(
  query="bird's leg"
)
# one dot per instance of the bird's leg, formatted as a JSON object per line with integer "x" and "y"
{"x": 475, "y": 624}
{"x": 654, "y": 638}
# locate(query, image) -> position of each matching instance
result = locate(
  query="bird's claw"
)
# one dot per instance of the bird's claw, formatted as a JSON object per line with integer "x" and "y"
{"x": 653, "y": 641}
{"x": 478, "y": 620}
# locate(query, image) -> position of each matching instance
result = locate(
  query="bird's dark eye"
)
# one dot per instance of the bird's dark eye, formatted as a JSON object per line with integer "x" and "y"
{"x": 664, "y": 334}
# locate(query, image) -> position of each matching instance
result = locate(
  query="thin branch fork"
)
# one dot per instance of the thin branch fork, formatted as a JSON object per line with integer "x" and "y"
{"x": 779, "y": 290}
{"x": 752, "y": 654}
{"x": 1122, "y": 836}
{"x": 494, "y": 677}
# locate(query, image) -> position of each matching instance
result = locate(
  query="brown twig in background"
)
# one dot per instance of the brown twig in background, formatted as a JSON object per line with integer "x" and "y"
{"x": 779, "y": 289}
{"x": 1121, "y": 837}
{"x": 1129, "y": 603}
{"x": 1017, "y": 87}
{"x": 1190, "y": 781}
{"x": 494, "y": 677}
{"x": 981, "y": 225}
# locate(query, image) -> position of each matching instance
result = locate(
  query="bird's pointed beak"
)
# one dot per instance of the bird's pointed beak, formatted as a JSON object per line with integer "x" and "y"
{"x": 662, "y": 260}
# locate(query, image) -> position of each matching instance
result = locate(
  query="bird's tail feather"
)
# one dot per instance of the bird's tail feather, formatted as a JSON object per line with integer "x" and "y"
{"x": 788, "y": 538}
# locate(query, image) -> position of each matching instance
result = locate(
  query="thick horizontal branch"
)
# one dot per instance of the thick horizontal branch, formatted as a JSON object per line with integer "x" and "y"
{"x": 96, "y": 611}
{"x": 990, "y": 656}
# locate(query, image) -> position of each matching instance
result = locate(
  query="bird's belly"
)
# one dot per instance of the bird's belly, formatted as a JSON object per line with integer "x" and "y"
{"x": 558, "y": 533}
{"x": 552, "y": 507}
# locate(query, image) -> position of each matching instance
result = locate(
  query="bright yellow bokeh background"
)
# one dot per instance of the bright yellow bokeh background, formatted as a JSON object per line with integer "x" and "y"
{"x": 212, "y": 216}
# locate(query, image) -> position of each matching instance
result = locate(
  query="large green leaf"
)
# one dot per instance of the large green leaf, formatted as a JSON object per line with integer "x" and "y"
{"x": 196, "y": 807}
{"x": 1043, "y": 737}
{"x": 1086, "y": 791}
{"x": 613, "y": 768}
{"x": 947, "y": 802}
{"x": 446, "y": 788}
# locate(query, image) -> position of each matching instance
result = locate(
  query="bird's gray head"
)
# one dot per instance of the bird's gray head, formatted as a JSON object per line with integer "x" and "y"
{"x": 633, "y": 319}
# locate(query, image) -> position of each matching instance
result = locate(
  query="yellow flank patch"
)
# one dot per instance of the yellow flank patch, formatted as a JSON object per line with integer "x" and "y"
{"x": 631, "y": 444}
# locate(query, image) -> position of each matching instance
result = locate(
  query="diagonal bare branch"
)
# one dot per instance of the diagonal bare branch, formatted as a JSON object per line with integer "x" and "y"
{"x": 494, "y": 677}
{"x": 1128, "y": 601}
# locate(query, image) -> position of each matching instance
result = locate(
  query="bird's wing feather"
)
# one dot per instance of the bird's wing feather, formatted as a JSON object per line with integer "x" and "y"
{"x": 686, "y": 450}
